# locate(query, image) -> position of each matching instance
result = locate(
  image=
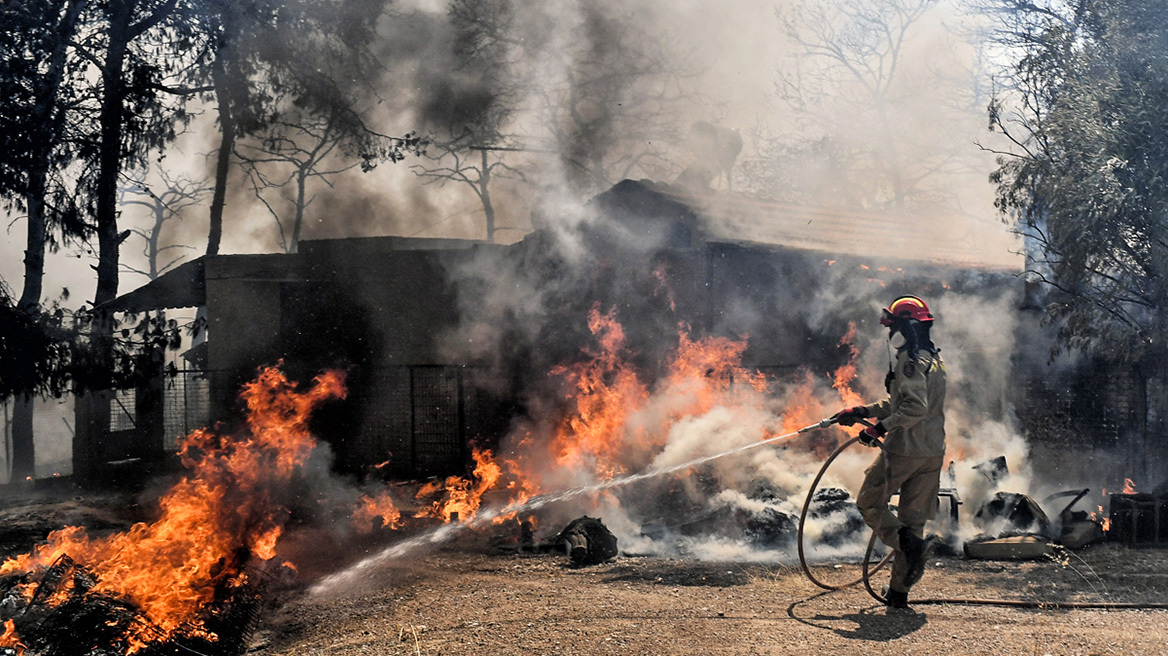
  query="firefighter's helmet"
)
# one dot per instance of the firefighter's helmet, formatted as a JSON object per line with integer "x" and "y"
{"x": 906, "y": 307}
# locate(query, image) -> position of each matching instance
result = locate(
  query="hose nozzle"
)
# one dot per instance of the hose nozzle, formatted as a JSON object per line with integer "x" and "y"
{"x": 823, "y": 423}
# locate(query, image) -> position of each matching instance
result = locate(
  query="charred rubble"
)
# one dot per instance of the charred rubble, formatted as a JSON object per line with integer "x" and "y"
{"x": 65, "y": 616}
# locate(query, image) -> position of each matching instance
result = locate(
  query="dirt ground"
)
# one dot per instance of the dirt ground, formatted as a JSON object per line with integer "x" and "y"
{"x": 465, "y": 598}
{"x": 469, "y": 596}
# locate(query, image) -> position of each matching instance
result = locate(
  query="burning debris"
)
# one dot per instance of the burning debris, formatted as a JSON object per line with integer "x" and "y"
{"x": 1140, "y": 518}
{"x": 10, "y": 644}
{"x": 380, "y": 509}
{"x": 183, "y": 577}
{"x": 1076, "y": 528}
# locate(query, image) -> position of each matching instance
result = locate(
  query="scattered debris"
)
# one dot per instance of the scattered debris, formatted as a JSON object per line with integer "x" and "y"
{"x": 1081, "y": 531}
{"x": 770, "y": 528}
{"x": 1010, "y": 514}
{"x": 994, "y": 470}
{"x": 65, "y": 616}
{"x": 1021, "y": 547}
{"x": 587, "y": 541}
{"x": 839, "y": 515}
{"x": 1076, "y": 529}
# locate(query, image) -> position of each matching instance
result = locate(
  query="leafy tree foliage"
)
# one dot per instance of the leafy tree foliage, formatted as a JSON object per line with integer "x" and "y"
{"x": 34, "y": 350}
{"x": 1085, "y": 109}
{"x": 40, "y": 85}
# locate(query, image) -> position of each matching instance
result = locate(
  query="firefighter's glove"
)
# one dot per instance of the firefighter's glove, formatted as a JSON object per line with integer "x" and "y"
{"x": 850, "y": 416}
{"x": 871, "y": 435}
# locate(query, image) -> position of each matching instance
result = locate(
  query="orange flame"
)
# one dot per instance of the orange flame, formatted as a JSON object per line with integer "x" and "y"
{"x": 843, "y": 377}
{"x": 10, "y": 639}
{"x": 1106, "y": 521}
{"x": 606, "y": 392}
{"x": 263, "y": 545}
{"x": 171, "y": 567}
{"x": 602, "y": 432}
{"x": 605, "y": 430}
{"x": 1129, "y": 486}
{"x": 380, "y": 507}
{"x": 463, "y": 496}
{"x": 614, "y": 422}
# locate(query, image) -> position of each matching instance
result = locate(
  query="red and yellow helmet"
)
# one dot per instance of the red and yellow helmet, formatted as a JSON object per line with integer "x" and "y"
{"x": 906, "y": 307}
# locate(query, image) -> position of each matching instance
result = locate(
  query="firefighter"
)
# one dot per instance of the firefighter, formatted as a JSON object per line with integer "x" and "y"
{"x": 911, "y": 420}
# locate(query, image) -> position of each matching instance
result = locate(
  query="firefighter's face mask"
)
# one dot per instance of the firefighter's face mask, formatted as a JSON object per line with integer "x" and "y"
{"x": 896, "y": 338}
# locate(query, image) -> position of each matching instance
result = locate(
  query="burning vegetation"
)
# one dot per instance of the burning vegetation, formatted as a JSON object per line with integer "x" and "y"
{"x": 216, "y": 528}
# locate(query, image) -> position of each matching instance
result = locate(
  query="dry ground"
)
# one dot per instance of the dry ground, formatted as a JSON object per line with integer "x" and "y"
{"x": 468, "y": 599}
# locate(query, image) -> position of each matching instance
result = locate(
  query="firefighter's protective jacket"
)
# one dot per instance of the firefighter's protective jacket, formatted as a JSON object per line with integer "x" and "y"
{"x": 914, "y": 410}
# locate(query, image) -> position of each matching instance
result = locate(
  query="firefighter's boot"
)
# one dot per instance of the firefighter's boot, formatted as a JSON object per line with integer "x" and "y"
{"x": 916, "y": 551}
{"x": 896, "y": 600}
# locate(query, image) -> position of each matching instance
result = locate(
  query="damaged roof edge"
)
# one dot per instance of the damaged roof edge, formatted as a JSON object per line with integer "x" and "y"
{"x": 184, "y": 286}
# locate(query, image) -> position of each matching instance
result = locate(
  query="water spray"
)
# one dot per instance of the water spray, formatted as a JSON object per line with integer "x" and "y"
{"x": 487, "y": 515}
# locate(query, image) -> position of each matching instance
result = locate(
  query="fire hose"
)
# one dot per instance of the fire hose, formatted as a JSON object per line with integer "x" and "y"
{"x": 867, "y": 570}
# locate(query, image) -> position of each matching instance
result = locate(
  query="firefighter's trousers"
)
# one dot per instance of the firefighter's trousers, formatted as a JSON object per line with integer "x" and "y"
{"x": 917, "y": 479}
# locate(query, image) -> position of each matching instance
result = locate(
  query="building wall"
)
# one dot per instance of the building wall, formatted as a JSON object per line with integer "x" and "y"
{"x": 242, "y": 334}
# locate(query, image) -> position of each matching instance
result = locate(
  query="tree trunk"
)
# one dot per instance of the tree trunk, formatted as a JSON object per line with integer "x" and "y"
{"x": 155, "y": 235}
{"x": 485, "y": 194}
{"x": 301, "y": 182}
{"x": 110, "y": 153}
{"x": 90, "y": 414}
{"x": 226, "y": 147}
{"x": 23, "y": 447}
{"x": 23, "y": 443}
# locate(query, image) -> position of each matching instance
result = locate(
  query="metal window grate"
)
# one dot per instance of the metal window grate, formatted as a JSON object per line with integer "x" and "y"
{"x": 421, "y": 418}
{"x": 123, "y": 410}
{"x": 186, "y": 403}
{"x": 439, "y": 435}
